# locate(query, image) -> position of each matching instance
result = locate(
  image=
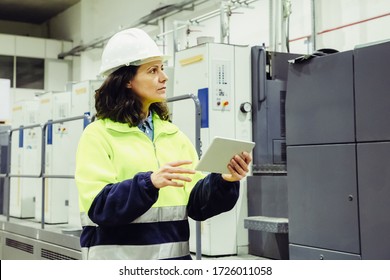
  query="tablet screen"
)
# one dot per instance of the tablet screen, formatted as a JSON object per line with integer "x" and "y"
{"x": 220, "y": 152}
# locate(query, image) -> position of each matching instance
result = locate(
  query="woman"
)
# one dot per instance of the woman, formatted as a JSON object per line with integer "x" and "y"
{"x": 135, "y": 170}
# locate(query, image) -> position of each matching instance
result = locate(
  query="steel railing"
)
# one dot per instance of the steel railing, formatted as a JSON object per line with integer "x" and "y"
{"x": 198, "y": 149}
{"x": 42, "y": 172}
{"x": 87, "y": 119}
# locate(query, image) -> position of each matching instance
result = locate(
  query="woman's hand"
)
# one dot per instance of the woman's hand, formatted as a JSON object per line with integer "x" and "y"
{"x": 171, "y": 174}
{"x": 238, "y": 167}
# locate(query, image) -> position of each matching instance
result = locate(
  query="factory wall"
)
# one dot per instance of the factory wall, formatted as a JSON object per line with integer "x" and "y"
{"x": 340, "y": 25}
{"x": 344, "y": 24}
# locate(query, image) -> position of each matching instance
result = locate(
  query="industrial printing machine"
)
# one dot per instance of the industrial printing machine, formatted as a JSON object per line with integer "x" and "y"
{"x": 338, "y": 155}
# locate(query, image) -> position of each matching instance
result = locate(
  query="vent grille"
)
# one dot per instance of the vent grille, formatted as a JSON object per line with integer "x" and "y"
{"x": 271, "y": 169}
{"x": 19, "y": 245}
{"x": 50, "y": 255}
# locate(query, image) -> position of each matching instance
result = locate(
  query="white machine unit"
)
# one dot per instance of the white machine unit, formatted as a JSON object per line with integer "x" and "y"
{"x": 83, "y": 97}
{"x": 25, "y": 159}
{"x": 219, "y": 74}
{"x": 82, "y": 102}
{"x": 55, "y": 106}
{"x": 5, "y": 97}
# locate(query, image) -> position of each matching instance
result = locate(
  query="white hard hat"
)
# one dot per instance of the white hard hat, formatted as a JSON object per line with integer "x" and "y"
{"x": 129, "y": 47}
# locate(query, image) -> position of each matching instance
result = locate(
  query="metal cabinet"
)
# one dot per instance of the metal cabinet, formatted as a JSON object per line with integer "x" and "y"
{"x": 338, "y": 155}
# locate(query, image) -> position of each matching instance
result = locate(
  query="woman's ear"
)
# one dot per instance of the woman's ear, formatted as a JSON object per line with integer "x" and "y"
{"x": 128, "y": 85}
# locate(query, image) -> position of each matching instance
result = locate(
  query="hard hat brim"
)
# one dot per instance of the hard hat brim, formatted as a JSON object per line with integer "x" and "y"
{"x": 139, "y": 62}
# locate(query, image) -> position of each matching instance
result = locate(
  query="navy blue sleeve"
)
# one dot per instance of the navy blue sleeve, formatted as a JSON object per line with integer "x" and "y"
{"x": 123, "y": 202}
{"x": 212, "y": 196}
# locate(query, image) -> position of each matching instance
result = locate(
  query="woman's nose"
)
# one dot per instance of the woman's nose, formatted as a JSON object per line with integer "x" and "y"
{"x": 163, "y": 77}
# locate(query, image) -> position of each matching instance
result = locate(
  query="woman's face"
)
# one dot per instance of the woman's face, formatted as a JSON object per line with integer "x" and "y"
{"x": 149, "y": 83}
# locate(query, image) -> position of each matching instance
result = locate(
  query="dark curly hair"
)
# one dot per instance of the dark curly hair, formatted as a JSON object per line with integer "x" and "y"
{"x": 115, "y": 101}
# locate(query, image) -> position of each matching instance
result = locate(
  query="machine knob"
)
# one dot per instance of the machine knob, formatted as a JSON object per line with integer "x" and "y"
{"x": 246, "y": 107}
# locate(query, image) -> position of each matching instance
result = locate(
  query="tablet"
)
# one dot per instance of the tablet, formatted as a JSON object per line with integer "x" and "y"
{"x": 220, "y": 152}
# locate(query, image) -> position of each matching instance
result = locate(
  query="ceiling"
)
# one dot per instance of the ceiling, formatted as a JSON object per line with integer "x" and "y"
{"x": 33, "y": 11}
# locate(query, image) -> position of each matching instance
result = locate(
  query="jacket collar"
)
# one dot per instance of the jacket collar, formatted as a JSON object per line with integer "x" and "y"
{"x": 159, "y": 126}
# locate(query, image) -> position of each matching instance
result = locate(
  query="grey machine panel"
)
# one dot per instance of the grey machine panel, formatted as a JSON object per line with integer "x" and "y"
{"x": 374, "y": 199}
{"x": 338, "y": 149}
{"x": 269, "y": 76}
{"x": 298, "y": 252}
{"x": 322, "y": 197}
{"x": 267, "y": 190}
{"x": 267, "y": 196}
{"x": 372, "y": 86}
{"x": 320, "y": 101}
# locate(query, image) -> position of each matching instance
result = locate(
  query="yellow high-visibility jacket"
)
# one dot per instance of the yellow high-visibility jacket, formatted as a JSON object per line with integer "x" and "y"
{"x": 123, "y": 215}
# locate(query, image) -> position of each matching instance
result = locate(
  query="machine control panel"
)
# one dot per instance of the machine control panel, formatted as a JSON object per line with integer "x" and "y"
{"x": 221, "y": 97}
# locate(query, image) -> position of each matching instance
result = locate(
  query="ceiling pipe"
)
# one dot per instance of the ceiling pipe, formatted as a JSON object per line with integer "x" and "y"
{"x": 271, "y": 24}
{"x": 151, "y": 19}
{"x": 313, "y": 37}
{"x": 206, "y": 16}
{"x": 286, "y": 24}
{"x": 283, "y": 32}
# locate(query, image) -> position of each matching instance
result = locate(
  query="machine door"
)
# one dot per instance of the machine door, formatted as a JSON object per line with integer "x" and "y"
{"x": 322, "y": 197}
{"x": 372, "y": 85}
{"x": 374, "y": 197}
{"x": 320, "y": 101}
